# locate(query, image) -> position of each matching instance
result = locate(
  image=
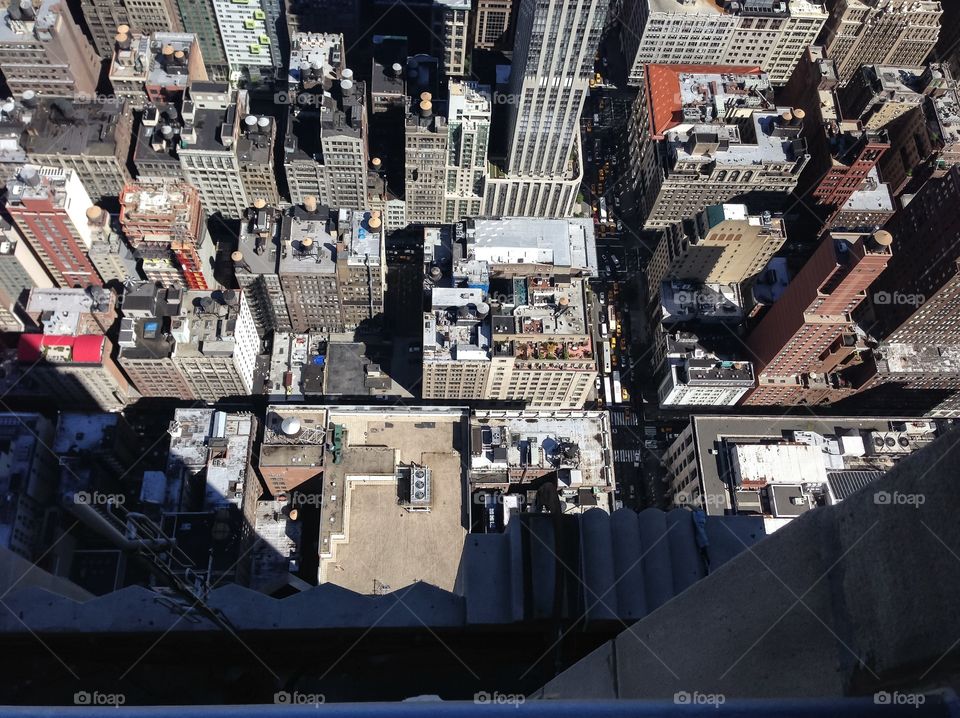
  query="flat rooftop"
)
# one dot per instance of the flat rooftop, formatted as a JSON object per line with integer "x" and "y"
{"x": 376, "y": 544}
{"x": 521, "y": 446}
{"x": 557, "y": 242}
{"x": 312, "y": 247}
{"x": 687, "y": 301}
{"x": 919, "y": 359}
{"x": 60, "y": 127}
{"x": 874, "y": 196}
{"x": 689, "y": 7}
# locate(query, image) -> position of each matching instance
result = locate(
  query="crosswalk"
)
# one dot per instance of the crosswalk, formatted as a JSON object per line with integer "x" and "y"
{"x": 624, "y": 456}
{"x": 619, "y": 418}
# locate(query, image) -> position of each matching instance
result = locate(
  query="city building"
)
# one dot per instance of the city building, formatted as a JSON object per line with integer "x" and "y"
{"x": 558, "y": 462}
{"x": 250, "y": 40}
{"x": 867, "y": 210}
{"x": 544, "y": 164}
{"x": 74, "y": 311}
{"x": 885, "y": 32}
{"x": 332, "y": 267}
{"x": 468, "y": 136}
{"x": 915, "y": 305}
{"x": 166, "y": 226}
{"x": 509, "y": 316}
{"x": 256, "y": 266}
{"x": 107, "y": 20}
{"x": 74, "y": 370}
{"x": 359, "y": 460}
{"x": 43, "y": 51}
{"x": 155, "y": 68}
{"x": 208, "y": 458}
{"x": 20, "y": 271}
{"x": 491, "y": 20}
{"x": 723, "y": 244}
{"x": 226, "y": 152}
{"x": 451, "y": 35}
{"x": 155, "y": 155}
{"x": 198, "y": 17}
{"x": 426, "y": 156}
{"x": 388, "y": 108}
{"x": 188, "y": 344}
{"x": 843, "y": 152}
{"x": 918, "y": 107}
{"x": 326, "y": 145}
{"x": 91, "y": 139}
{"x": 781, "y": 467}
{"x": 48, "y": 206}
{"x": 696, "y": 376}
{"x": 806, "y": 348}
{"x": 751, "y": 153}
{"x": 28, "y": 479}
{"x": 109, "y": 253}
{"x": 771, "y": 34}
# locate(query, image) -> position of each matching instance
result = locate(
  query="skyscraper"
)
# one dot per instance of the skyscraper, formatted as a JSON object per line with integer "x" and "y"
{"x": 553, "y": 62}
{"x": 892, "y": 32}
{"x": 48, "y": 205}
{"x": 468, "y": 132}
{"x": 805, "y": 348}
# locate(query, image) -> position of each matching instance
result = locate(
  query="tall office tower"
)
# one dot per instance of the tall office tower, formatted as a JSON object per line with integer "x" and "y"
{"x": 718, "y": 138}
{"x": 451, "y": 35}
{"x": 509, "y": 316}
{"x": 20, "y": 271}
{"x": 553, "y": 63}
{"x": 155, "y": 156}
{"x": 250, "y": 41}
{"x": 806, "y": 349}
{"x": 48, "y": 205}
{"x": 256, "y": 265}
{"x": 214, "y": 119}
{"x": 167, "y": 227}
{"x": 948, "y": 45}
{"x": 155, "y": 68}
{"x": 332, "y": 267}
{"x": 109, "y": 253}
{"x": 42, "y": 50}
{"x": 842, "y": 152}
{"x": 724, "y": 244}
{"x": 919, "y": 107}
{"x": 92, "y": 140}
{"x": 426, "y": 162}
{"x": 468, "y": 134}
{"x": 326, "y": 147}
{"x": 198, "y": 17}
{"x": 107, "y": 18}
{"x": 771, "y": 34}
{"x": 191, "y": 345}
{"x": 22, "y": 454}
{"x": 884, "y": 32}
{"x": 316, "y": 60}
{"x": 388, "y": 108}
{"x": 491, "y": 20}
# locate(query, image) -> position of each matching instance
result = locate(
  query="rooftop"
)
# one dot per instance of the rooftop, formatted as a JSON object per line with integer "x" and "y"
{"x": 212, "y": 443}
{"x": 684, "y": 301}
{"x": 60, "y": 127}
{"x": 737, "y": 454}
{"x": 562, "y": 243}
{"x": 896, "y": 358}
{"x": 573, "y": 448}
{"x": 874, "y": 196}
{"x": 352, "y": 373}
{"x": 307, "y": 241}
{"x": 297, "y": 366}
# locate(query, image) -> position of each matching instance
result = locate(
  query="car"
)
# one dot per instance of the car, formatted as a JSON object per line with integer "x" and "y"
{"x": 613, "y": 342}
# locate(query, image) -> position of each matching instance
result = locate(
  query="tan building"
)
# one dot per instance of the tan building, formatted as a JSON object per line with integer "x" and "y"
{"x": 104, "y": 17}
{"x": 43, "y": 51}
{"x": 510, "y": 317}
{"x": 92, "y": 139}
{"x": 726, "y": 246}
{"x": 885, "y": 32}
{"x": 490, "y": 23}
